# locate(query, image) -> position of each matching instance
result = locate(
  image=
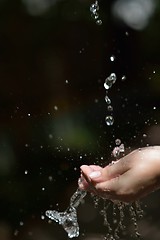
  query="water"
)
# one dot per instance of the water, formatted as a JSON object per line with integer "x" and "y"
{"x": 116, "y": 225}
{"x": 118, "y": 141}
{"x": 118, "y": 149}
{"x": 108, "y": 100}
{"x": 109, "y": 120}
{"x": 99, "y": 22}
{"x": 109, "y": 81}
{"x": 94, "y": 9}
{"x": 110, "y": 108}
{"x": 112, "y": 58}
{"x": 68, "y": 218}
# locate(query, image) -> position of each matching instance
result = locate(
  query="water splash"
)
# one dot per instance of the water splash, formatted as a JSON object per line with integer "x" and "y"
{"x": 68, "y": 218}
{"x": 118, "y": 149}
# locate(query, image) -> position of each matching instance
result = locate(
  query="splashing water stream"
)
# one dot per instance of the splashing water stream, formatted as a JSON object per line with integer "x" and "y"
{"x": 68, "y": 218}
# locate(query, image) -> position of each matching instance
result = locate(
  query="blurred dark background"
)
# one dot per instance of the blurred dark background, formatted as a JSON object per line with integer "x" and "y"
{"x": 54, "y": 59}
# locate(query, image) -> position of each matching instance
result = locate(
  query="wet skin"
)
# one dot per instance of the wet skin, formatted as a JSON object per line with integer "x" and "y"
{"x": 129, "y": 179}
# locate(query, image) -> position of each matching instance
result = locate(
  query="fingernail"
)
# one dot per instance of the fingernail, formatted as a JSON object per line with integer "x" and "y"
{"x": 95, "y": 174}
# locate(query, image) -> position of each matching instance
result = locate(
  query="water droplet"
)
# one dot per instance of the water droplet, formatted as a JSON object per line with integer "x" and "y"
{"x": 94, "y": 7}
{"x": 116, "y": 152}
{"x": 109, "y": 81}
{"x": 121, "y": 148}
{"x": 95, "y": 16}
{"x": 108, "y": 100}
{"x": 138, "y": 234}
{"x": 112, "y": 58}
{"x": 123, "y": 78}
{"x": 110, "y": 108}
{"x": 50, "y": 136}
{"x": 99, "y": 22}
{"x": 55, "y": 108}
{"x": 118, "y": 141}
{"x": 16, "y": 232}
{"x": 109, "y": 120}
{"x": 21, "y": 223}
{"x": 50, "y": 178}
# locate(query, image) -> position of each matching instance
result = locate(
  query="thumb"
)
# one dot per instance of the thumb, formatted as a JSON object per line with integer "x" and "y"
{"x": 110, "y": 171}
{"x": 115, "y": 169}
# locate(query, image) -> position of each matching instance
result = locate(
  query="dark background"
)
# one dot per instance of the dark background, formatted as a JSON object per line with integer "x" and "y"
{"x": 53, "y": 63}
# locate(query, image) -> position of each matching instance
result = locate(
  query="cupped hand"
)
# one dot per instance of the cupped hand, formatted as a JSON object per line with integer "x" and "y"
{"x": 130, "y": 178}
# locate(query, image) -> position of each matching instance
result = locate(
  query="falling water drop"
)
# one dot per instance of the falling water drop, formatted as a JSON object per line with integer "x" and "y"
{"x": 95, "y": 16}
{"x": 110, "y": 108}
{"x": 112, "y": 58}
{"x": 94, "y": 8}
{"x": 123, "y": 78}
{"x": 118, "y": 141}
{"x": 108, "y": 100}
{"x": 99, "y": 22}
{"x": 109, "y": 120}
{"x": 109, "y": 81}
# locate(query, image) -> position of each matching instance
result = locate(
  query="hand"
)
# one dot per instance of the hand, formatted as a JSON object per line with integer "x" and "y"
{"x": 130, "y": 178}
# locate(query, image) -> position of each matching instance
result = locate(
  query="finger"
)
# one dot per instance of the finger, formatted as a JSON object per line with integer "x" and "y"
{"x": 86, "y": 169}
{"x": 95, "y": 167}
{"x": 92, "y": 173}
{"x": 110, "y": 171}
{"x": 85, "y": 181}
{"x": 116, "y": 169}
{"x": 111, "y": 186}
{"x": 119, "y": 188}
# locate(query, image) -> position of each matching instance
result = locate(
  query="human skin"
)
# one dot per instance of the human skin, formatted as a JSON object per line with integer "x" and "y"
{"x": 129, "y": 179}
